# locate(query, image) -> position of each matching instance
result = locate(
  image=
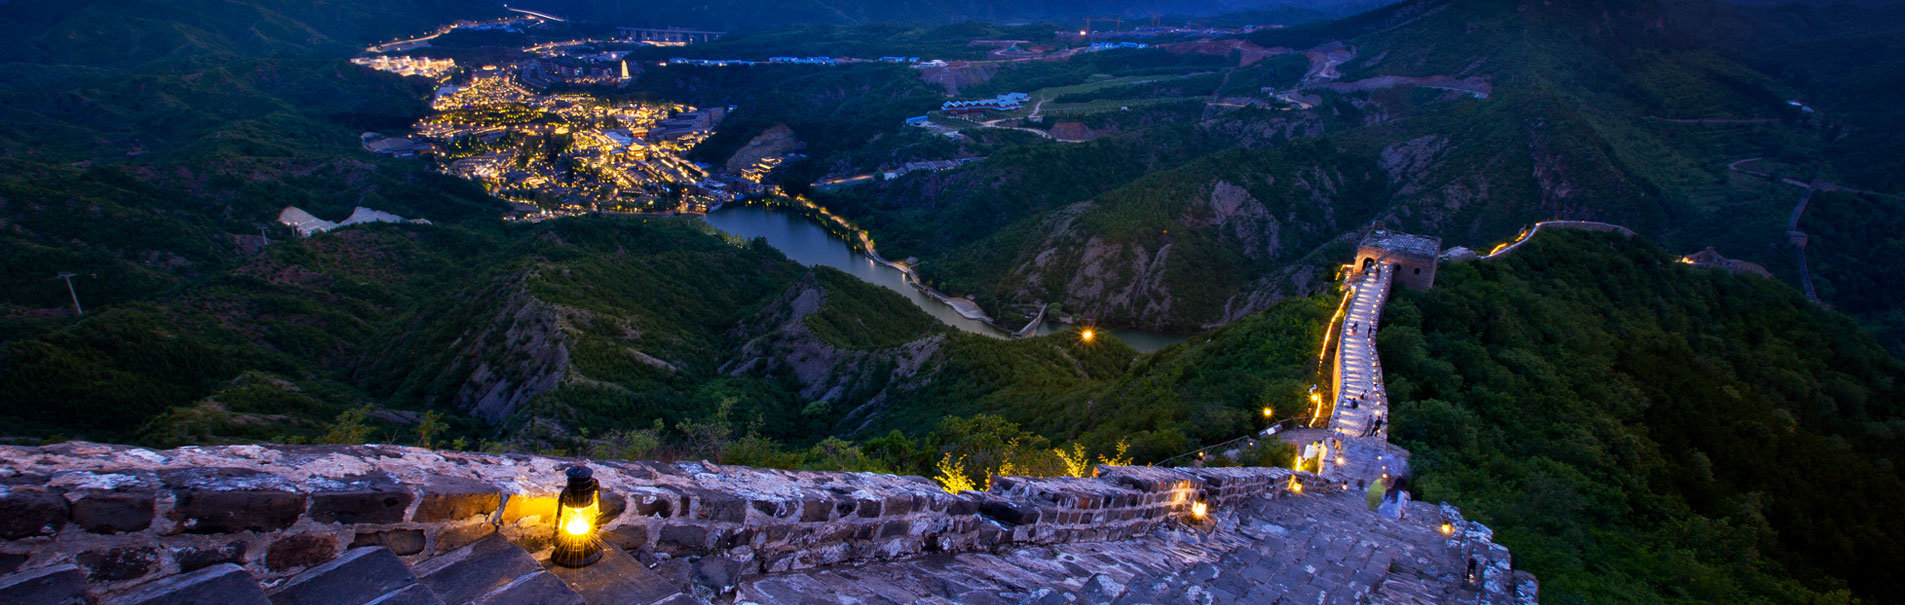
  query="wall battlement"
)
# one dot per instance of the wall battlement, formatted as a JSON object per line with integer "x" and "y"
{"x": 127, "y": 516}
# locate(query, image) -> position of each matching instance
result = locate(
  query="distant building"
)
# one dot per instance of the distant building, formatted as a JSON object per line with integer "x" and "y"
{"x": 929, "y": 64}
{"x": 1411, "y": 256}
{"x": 803, "y": 60}
{"x": 668, "y": 36}
{"x": 1097, "y": 46}
{"x": 1005, "y": 102}
{"x": 917, "y": 121}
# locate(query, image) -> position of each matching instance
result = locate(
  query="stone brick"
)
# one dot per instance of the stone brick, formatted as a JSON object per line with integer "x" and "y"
{"x": 616, "y": 579}
{"x": 457, "y": 537}
{"x": 26, "y": 513}
{"x": 654, "y": 505}
{"x": 404, "y": 542}
{"x": 682, "y": 537}
{"x": 298, "y": 550}
{"x": 868, "y": 508}
{"x": 628, "y": 537}
{"x": 717, "y": 506}
{"x": 58, "y": 585}
{"x": 897, "y": 504}
{"x": 108, "y": 512}
{"x": 368, "y": 505}
{"x": 492, "y": 570}
{"x": 192, "y": 558}
{"x": 222, "y": 584}
{"x": 361, "y": 575}
{"x": 455, "y": 499}
{"x": 612, "y": 506}
{"x": 518, "y": 507}
{"x": 894, "y": 528}
{"x": 815, "y": 510}
{"x": 1009, "y": 512}
{"x": 118, "y": 564}
{"x": 202, "y": 511}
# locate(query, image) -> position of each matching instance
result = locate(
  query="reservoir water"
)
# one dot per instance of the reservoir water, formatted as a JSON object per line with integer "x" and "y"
{"x": 809, "y": 244}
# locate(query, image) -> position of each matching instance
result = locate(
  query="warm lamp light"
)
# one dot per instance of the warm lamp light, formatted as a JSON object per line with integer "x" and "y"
{"x": 1086, "y": 334}
{"x": 577, "y": 509}
{"x": 1266, "y": 412}
{"x": 1296, "y": 487}
{"x": 1447, "y": 529}
{"x": 1199, "y": 508}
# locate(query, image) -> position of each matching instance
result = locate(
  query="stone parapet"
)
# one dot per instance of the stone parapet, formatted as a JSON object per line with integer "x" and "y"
{"x": 127, "y": 515}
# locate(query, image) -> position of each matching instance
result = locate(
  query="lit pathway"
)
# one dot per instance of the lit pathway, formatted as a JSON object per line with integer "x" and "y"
{"x": 1363, "y": 429}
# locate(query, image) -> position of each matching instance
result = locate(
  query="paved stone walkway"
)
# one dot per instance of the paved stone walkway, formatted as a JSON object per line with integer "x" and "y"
{"x": 1311, "y": 548}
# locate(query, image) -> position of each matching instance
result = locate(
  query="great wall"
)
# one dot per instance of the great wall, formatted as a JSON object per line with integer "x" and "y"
{"x": 241, "y": 524}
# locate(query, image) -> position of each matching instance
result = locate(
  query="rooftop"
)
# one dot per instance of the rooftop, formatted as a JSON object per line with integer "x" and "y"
{"x": 1395, "y": 241}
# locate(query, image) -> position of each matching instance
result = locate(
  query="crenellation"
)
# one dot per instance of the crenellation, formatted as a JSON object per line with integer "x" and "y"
{"x": 275, "y": 511}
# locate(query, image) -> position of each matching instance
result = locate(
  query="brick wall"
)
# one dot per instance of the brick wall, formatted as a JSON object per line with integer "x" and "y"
{"x": 128, "y": 515}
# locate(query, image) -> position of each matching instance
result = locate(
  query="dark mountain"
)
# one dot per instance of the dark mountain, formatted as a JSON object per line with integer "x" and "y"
{"x": 755, "y": 14}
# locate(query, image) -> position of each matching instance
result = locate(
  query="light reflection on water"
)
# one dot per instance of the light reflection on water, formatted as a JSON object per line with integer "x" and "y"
{"x": 807, "y": 243}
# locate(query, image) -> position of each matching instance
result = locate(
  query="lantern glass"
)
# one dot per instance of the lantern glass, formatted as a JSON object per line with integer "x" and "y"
{"x": 578, "y": 508}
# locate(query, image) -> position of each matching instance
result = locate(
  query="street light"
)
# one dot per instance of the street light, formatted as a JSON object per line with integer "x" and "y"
{"x": 577, "y": 510}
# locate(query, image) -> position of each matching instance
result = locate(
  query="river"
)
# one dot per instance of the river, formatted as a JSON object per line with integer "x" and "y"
{"x": 809, "y": 244}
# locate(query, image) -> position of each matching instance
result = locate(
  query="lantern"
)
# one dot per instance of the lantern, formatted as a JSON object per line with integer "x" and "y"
{"x": 1199, "y": 508}
{"x": 577, "y": 510}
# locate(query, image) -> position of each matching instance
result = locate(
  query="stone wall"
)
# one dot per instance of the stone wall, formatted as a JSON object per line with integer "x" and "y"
{"x": 129, "y": 515}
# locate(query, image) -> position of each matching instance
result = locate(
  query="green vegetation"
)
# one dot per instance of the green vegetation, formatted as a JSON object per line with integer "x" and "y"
{"x": 857, "y": 316}
{"x": 1638, "y": 430}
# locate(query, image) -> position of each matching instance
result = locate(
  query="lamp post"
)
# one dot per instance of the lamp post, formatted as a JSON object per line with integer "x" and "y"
{"x": 577, "y": 510}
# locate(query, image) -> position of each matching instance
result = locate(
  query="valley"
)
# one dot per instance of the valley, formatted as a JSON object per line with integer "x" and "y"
{"x": 1660, "y": 358}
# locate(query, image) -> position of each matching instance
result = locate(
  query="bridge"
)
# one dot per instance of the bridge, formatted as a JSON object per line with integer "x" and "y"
{"x": 539, "y": 15}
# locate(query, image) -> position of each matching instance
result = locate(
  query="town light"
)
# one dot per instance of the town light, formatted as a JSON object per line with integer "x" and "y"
{"x": 577, "y": 510}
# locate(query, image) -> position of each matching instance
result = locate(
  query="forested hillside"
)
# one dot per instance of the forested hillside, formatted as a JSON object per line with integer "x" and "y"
{"x": 1636, "y": 429}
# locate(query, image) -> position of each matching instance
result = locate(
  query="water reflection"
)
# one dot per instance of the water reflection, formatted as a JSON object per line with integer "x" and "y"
{"x": 809, "y": 244}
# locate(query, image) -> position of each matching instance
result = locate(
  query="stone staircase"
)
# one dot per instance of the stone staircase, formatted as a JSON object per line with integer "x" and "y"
{"x": 491, "y": 571}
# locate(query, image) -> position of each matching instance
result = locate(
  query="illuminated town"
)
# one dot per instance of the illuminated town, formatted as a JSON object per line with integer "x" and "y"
{"x": 572, "y": 153}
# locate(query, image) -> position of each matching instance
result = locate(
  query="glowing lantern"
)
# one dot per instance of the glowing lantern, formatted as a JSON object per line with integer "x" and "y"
{"x": 1296, "y": 487}
{"x": 1086, "y": 335}
{"x": 1199, "y": 508}
{"x": 1447, "y": 529}
{"x": 1266, "y": 412}
{"x": 577, "y": 510}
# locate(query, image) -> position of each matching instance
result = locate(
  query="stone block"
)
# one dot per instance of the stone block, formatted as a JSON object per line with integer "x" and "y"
{"x": 298, "y": 550}
{"x": 867, "y": 508}
{"x": 455, "y": 499}
{"x": 896, "y": 505}
{"x": 682, "y": 538}
{"x": 611, "y": 506}
{"x": 615, "y": 579}
{"x": 457, "y": 537}
{"x": 654, "y": 505}
{"x": 404, "y": 542}
{"x": 193, "y": 558}
{"x": 628, "y": 537}
{"x": 202, "y": 511}
{"x": 1009, "y": 512}
{"x": 710, "y": 505}
{"x": 25, "y": 513}
{"x": 118, "y": 564}
{"x": 222, "y": 584}
{"x": 474, "y": 572}
{"x": 367, "y": 505}
{"x": 518, "y": 507}
{"x": 814, "y": 510}
{"x": 110, "y": 513}
{"x": 360, "y": 576}
{"x": 414, "y": 594}
{"x": 58, "y": 585}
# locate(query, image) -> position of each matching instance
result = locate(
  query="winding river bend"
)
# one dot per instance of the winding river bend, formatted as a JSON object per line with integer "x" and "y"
{"x": 810, "y": 244}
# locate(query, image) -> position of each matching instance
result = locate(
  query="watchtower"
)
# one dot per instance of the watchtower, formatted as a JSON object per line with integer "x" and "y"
{"x": 1411, "y": 256}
